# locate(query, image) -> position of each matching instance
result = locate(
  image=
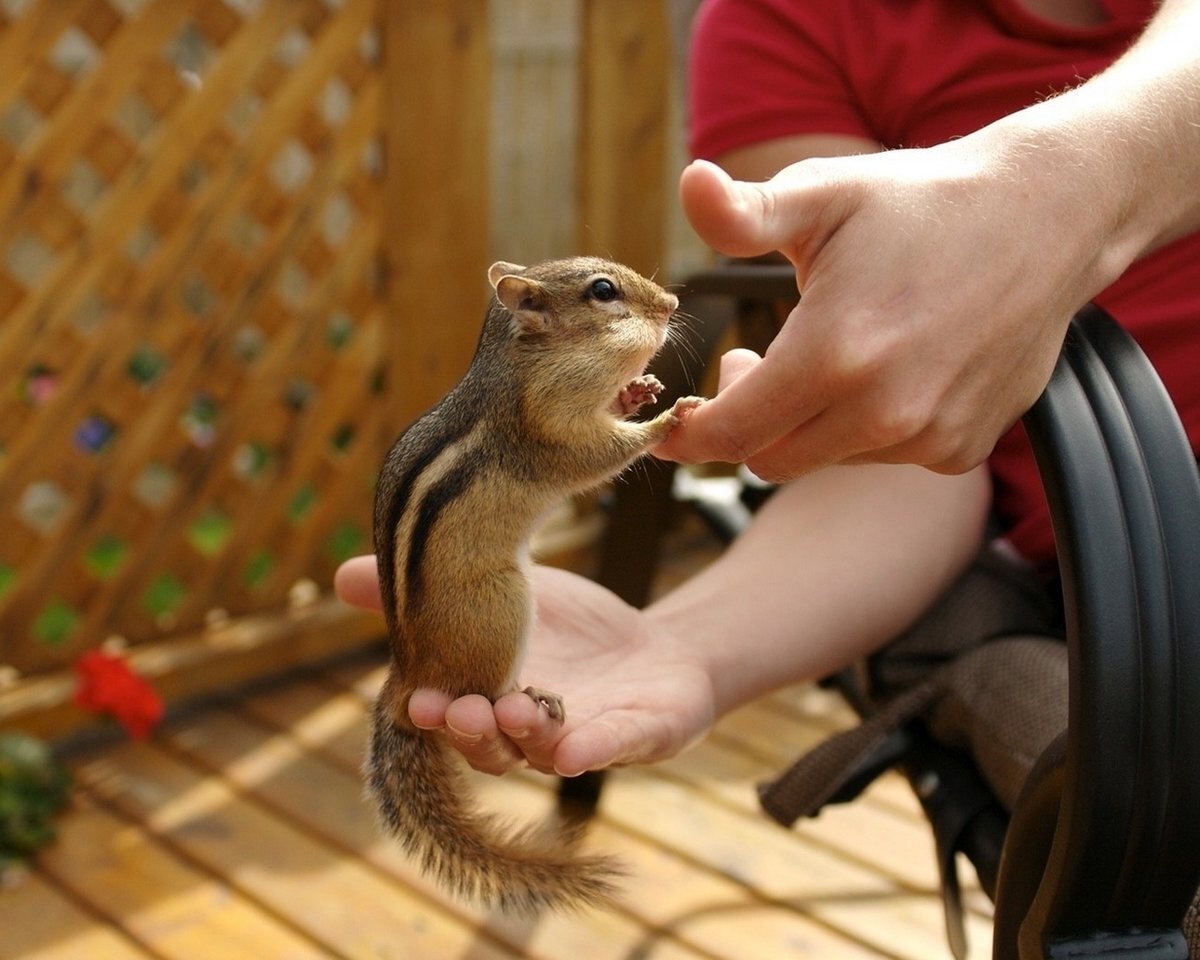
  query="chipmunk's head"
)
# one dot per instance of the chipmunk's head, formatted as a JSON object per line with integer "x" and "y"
{"x": 585, "y": 305}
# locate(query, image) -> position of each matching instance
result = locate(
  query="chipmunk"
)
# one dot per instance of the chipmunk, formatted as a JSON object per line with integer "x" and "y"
{"x": 540, "y": 414}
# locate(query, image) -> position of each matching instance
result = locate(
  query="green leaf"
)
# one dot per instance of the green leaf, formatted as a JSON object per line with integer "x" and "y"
{"x": 33, "y": 788}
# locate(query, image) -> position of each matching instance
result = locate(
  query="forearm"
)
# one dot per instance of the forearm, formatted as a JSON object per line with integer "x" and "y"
{"x": 1128, "y": 139}
{"x": 834, "y": 566}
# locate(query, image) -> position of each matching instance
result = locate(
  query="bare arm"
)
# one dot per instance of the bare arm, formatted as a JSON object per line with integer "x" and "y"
{"x": 938, "y": 282}
{"x": 837, "y": 564}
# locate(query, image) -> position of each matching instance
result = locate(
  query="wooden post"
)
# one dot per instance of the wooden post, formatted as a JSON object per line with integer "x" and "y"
{"x": 624, "y": 98}
{"x": 436, "y": 196}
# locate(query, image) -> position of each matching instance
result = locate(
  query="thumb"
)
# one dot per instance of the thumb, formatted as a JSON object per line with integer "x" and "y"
{"x": 744, "y": 219}
{"x": 734, "y": 364}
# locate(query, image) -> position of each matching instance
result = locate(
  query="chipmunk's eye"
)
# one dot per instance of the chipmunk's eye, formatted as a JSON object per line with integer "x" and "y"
{"x": 604, "y": 290}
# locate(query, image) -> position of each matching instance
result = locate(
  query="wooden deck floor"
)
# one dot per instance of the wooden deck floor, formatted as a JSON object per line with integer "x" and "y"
{"x": 240, "y": 831}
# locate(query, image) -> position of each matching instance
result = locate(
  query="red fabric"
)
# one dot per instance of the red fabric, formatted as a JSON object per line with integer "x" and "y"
{"x": 911, "y": 73}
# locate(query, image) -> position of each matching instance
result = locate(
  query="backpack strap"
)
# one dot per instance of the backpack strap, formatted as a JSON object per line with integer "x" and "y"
{"x": 959, "y": 657}
{"x": 839, "y": 768}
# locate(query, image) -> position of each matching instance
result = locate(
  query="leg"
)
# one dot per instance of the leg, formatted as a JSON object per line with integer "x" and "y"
{"x": 643, "y": 435}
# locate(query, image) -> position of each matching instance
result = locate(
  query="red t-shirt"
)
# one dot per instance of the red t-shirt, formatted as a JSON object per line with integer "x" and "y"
{"x": 912, "y": 73}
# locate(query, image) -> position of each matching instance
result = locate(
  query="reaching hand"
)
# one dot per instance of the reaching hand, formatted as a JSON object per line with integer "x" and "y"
{"x": 629, "y": 697}
{"x": 937, "y": 285}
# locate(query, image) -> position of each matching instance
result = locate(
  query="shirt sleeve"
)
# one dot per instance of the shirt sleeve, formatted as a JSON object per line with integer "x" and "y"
{"x": 760, "y": 70}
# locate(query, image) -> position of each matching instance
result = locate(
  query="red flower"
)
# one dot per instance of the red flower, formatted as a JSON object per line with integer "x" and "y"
{"x": 108, "y": 685}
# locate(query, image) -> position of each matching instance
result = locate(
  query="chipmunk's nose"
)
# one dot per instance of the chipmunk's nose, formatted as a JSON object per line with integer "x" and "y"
{"x": 671, "y": 302}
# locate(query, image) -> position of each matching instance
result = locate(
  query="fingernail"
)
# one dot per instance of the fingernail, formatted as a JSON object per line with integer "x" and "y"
{"x": 463, "y": 737}
{"x": 521, "y": 734}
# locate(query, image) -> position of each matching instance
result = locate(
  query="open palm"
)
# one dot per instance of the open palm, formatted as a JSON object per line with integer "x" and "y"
{"x": 630, "y": 695}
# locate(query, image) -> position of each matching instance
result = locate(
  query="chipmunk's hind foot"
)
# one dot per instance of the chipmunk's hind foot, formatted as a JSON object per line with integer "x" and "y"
{"x": 551, "y": 701}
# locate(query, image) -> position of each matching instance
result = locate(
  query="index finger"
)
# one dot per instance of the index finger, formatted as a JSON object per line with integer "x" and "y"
{"x": 762, "y": 405}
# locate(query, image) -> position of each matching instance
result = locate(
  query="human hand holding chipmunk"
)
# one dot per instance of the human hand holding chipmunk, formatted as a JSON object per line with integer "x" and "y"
{"x": 634, "y": 695}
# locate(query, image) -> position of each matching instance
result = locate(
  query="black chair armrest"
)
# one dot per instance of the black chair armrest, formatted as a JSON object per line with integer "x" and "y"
{"x": 1123, "y": 863}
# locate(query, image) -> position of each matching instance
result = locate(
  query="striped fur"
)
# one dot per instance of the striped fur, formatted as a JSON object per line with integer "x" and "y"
{"x": 459, "y": 494}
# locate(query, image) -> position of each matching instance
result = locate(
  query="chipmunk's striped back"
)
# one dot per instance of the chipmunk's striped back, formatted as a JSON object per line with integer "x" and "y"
{"x": 541, "y": 413}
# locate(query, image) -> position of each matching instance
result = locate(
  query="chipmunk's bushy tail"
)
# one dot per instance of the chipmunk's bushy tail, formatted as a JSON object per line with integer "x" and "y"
{"x": 424, "y": 801}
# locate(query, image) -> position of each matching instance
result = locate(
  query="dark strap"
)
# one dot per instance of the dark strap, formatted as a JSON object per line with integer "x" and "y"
{"x": 973, "y": 703}
{"x": 841, "y": 767}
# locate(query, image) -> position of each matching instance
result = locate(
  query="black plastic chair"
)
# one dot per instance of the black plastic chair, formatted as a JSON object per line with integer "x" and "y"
{"x": 1101, "y": 857}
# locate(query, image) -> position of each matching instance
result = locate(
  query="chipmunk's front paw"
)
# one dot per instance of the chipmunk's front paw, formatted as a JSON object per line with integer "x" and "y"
{"x": 684, "y": 406}
{"x": 639, "y": 392}
{"x": 551, "y": 701}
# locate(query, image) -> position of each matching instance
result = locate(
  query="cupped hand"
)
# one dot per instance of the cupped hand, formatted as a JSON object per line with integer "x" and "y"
{"x": 937, "y": 286}
{"x": 630, "y": 697}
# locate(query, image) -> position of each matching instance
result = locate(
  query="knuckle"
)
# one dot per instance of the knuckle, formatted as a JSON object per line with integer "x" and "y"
{"x": 735, "y": 448}
{"x": 721, "y": 441}
{"x": 946, "y": 448}
{"x": 855, "y": 363}
{"x": 490, "y": 758}
{"x": 894, "y": 424}
{"x": 962, "y": 457}
{"x": 772, "y": 470}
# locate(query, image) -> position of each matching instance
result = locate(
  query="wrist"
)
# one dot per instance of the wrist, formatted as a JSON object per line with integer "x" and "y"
{"x": 696, "y": 654}
{"x": 1125, "y": 142}
{"x": 1085, "y": 187}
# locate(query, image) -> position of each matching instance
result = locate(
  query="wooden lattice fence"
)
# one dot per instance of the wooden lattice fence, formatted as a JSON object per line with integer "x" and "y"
{"x": 233, "y": 242}
{"x": 192, "y": 303}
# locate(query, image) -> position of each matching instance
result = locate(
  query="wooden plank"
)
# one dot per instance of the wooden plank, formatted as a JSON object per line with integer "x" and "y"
{"x": 872, "y": 833}
{"x": 328, "y": 801}
{"x": 329, "y": 723}
{"x": 200, "y": 663}
{"x": 877, "y": 837}
{"x": 709, "y": 773}
{"x": 709, "y": 878}
{"x": 891, "y": 797}
{"x": 435, "y": 195}
{"x": 699, "y": 805}
{"x": 663, "y": 891}
{"x": 168, "y": 906}
{"x": 340, "y": 903}
{"x": 363, "y": 677}
{"x": 750, "y": 745}
{"x": 41, "y": 923}
{"x": 784, "y": 867}
{"x": 858, "y": 896}
{"x": 624, "y": 110}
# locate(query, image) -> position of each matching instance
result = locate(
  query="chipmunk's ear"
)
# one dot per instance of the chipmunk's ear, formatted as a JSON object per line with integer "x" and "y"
{"x": 502, "y": 268}
{"x": 527, "y": 301}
